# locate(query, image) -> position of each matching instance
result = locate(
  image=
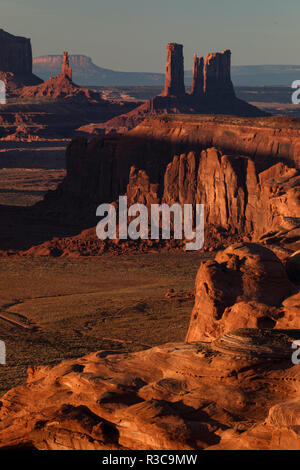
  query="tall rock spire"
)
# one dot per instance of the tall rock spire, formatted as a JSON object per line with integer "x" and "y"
{"x": 174, "y": 83}
{"x": 66, "y": 69}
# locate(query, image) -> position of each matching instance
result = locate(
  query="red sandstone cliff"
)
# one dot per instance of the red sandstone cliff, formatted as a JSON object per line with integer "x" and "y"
{"x": 243, "y": 171}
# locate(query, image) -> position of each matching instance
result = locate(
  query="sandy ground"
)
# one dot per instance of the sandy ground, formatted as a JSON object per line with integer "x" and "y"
{"x": 51, "y": 309}
{"x": 29, "y": 169}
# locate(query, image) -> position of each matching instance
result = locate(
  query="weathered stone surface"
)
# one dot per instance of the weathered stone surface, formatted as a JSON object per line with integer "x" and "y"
{"x": 175, "y": 396}
{"x": 140, "y": 190}
{"x": 244, "y": 287}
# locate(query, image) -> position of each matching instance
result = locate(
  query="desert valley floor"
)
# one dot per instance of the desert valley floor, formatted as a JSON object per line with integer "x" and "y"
{"x": 63, "y": 308}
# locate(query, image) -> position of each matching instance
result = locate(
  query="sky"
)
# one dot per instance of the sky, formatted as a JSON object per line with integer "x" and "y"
{"x": 131, "y": 35}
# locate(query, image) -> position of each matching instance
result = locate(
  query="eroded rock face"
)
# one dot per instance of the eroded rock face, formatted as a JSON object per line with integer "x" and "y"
{"x": 174, "y": 84}
{"x": 244, "y": 287}
{"x": 248, "y": 191}
{"x": 217, "y": 76}
{"x": 175, "y": 396}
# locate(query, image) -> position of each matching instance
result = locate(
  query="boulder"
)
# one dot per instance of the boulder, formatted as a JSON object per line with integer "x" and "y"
{"x": 243, "y": 287}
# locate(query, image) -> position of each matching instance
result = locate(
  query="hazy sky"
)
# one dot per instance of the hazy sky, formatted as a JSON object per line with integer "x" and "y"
{"x": 131, "y": 35}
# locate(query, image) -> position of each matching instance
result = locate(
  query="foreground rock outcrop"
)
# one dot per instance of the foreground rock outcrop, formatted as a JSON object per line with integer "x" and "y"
{"x": 240, "y": 392}
{"x": 233, "y": 385}
{"x": 246, "y": 286}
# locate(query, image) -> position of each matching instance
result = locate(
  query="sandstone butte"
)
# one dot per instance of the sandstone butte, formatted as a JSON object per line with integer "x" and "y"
{"x": 212, "y": 92}
{"x": 231, "y": 385}
{"x": 16, "y": 61}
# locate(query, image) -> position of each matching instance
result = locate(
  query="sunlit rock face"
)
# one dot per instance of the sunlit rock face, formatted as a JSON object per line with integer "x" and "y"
{"x": 244, "y": 287}
{"x": 174, "y": 396}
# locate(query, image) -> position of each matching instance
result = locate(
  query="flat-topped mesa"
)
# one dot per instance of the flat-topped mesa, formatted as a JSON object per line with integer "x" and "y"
{"x": 66, "y": 70}
{"x": 174, "y": 82}
{"x": 198, "y": 81}
{"x": 217, "y": 77}
{"x": 15, "y": 54}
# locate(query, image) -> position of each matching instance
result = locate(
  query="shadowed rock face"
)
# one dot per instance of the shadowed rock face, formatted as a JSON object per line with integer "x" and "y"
{"x": 15, "y": 54}
{"x": 174, "y": 84}
{"x": 248, "y": 182}
{"x": 16, "y": 61}
{"x": 246, "y": 188}
{"x": 198, "y": 82}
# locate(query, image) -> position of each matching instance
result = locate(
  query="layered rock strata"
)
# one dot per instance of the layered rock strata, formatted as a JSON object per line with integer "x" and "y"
{"x": 175, "y": 396}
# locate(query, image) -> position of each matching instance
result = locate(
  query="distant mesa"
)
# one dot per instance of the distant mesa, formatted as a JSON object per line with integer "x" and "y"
{"x": 16, "y": 61}
{"x": 87, "y": 73}
{"x": 61, "y": 87}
